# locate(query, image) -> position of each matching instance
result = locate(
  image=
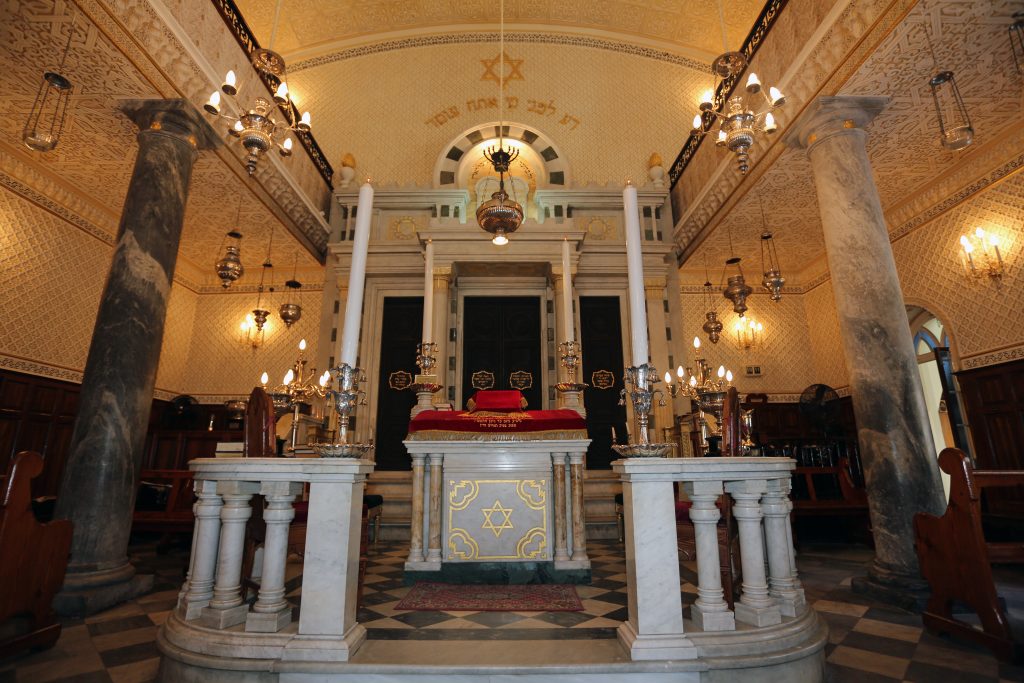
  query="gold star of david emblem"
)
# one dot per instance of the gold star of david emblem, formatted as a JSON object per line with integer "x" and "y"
{"x": 505, "y": 523}
{"x": 512, "y": 66}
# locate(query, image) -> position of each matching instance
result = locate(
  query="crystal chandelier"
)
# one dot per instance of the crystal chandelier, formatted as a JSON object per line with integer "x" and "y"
{"x": 499, "y": 215}
{"x": 772, "y": 280}
{"x": 45, "y": 123}
{"x": 740, "y": 120}
{"x": 256, "y": 128}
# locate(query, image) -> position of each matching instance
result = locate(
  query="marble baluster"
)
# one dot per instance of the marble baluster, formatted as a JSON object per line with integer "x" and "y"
{"x": 710, "y": 612}
{"x": 226, "y": 607}
{"x": 561, "y": 549}
{"x": 579, "y": 521}
{"x": 782, "y": 585}
{"x": 755, "y": 606}
{"x": 272, "y": 612}
{"x": 416, "y": 523}
{"x": 434, "y": 540}
{"x": 205, "y": 542}
{"x": 895, "y": 439}
{"x": 100, "y": 476}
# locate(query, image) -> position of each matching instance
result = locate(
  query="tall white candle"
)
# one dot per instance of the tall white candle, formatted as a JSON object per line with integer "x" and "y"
{"x": 428, "y": 294}
{"x": 357, "y": 277}
{"x": 570, "y": 327}
{"x": 635, "y": 271}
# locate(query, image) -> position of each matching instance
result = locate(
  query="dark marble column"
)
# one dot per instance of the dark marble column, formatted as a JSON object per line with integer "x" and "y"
{"x": 895, "y": 440}
{"x": 98, "y": 490}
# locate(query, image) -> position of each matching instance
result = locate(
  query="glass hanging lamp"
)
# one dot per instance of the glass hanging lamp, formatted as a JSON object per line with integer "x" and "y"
{"x": 229, "y": 266}
{"x": 772, "y": 279}
{"x": 45, "y": 123}
{"x": 291, "y": 310}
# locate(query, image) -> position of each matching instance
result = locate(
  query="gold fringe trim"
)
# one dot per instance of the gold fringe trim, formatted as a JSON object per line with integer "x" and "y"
{"x": 483, "y": 437}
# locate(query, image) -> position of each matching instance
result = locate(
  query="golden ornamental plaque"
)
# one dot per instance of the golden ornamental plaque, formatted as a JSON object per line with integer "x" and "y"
{"x": 520, "y": 379}
{"x": 602, "y": 379}
{"x": 399, "y": 380}
{"x": 482, "y": 379}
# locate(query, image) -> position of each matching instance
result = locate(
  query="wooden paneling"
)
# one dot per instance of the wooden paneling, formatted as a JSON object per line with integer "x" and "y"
{"x": 994, "y": 401}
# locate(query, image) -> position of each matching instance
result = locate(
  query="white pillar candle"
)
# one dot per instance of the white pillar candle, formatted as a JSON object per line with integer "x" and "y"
{"x": 357, "y": 277}
{"x": 570, "y": 327}
{"x": 635, "y": 271}
{"x": 428, "y": 294}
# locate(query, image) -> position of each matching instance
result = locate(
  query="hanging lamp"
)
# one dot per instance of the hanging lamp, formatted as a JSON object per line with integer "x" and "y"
{"x": 736, "y": 288}
{"x": 772, "y": 279}
{"x": 260, "y": 313}
{"x": 229, "y": 266}
{"x": 290, "y": 311}
{"x": 499, "y": 215}
{"x": 45, "y": 122}
{"x": 712, "y": 325}
{"x": 955, "y": 129}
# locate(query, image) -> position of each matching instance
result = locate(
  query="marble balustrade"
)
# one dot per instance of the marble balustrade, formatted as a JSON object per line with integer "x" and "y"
{"x": 771, "y": 595}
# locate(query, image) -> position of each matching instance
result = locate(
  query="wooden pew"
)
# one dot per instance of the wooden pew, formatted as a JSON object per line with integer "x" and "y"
{"x": 956, "y": 560}
{"x": 164, "y": 502}
{"x": 33, "y": 558}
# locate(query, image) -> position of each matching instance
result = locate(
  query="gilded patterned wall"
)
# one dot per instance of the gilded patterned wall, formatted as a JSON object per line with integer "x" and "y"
{"x": 825, "y": 340}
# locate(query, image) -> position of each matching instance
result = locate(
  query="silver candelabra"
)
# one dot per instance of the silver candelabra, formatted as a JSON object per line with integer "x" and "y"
{"x": 640, "y": 381}
{"x": 346, "y": 397}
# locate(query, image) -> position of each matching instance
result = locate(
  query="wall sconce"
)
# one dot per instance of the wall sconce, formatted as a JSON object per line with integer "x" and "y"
{"x": 252, "y": 335}
{"x": 748, "y": 333}
{"x": 979, "y": 255}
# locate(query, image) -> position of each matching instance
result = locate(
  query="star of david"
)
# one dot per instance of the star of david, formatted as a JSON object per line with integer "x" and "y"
{"x": 512, "y": 66}
{"x": 506, "y": 522}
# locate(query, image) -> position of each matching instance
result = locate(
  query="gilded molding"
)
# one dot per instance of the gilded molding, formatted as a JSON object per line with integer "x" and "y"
{"x": 992, "y": 358}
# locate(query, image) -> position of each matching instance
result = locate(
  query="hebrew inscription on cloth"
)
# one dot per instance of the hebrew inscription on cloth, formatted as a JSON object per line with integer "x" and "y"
{"x": 497, "y": 519}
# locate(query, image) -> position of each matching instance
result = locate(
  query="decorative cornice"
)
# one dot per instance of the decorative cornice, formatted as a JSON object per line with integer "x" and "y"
{"x": 992, "y": 358}
{"x": 699, "y": 289}
{"x": 493, "y": 37}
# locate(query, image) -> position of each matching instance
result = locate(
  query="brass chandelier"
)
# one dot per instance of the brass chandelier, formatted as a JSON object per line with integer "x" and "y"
{"x": 740, "y": 120}
{"x": 499, "y": 215}
{"x": 257, "y": 128}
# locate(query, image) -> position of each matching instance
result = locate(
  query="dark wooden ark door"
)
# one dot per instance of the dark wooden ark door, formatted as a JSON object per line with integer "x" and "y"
{"x": 501, "y": 336}
{"x": 601, "y": 341}
{"x": 400, "y": 333}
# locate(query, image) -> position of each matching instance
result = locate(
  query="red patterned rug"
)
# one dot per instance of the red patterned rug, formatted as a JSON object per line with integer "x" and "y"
{"x": 444, "y": 597}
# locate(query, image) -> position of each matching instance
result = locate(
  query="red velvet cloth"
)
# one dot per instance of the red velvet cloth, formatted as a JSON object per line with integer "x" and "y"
{"x": 491, "y": 399}
{"x": 531, "y": 422}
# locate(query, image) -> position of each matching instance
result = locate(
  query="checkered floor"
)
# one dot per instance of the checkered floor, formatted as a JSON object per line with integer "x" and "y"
{"x": 869, "y": 642}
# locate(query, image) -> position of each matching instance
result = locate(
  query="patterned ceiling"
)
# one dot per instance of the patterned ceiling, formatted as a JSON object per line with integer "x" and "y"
{"x": 970, "y": 39}
{"x": 96, "y": 152}
{"x": 309, "y": 28}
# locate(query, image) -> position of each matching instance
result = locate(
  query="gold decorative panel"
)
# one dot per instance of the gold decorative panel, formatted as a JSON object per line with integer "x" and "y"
{"x": 497, "y": 519}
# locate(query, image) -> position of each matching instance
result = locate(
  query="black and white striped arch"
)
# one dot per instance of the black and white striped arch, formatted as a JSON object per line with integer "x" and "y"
{"x": 556, "y": 169}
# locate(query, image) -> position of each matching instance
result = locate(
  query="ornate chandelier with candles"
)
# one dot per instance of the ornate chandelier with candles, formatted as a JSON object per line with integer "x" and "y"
{"x": 708, "y": 390}
{"x": 499, "y": 215}
{"x": 298, "y": 388}
{"x": 740, "y": 120}
{"x": 257, "y": 128}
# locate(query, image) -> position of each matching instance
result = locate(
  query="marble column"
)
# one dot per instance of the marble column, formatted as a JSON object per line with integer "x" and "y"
{"x": 416, "y": 524}
{"x": 561, "y": 550}
{"x": 433, "y": 557}
{"x": 895, "y": 439}
{"x": 579, "y": 518}
{"x": 98, "y": 490}
{"x": 442, "y": 279}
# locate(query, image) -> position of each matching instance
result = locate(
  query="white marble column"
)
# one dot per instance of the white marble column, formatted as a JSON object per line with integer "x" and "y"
{"x": 579, "y": 520}
{"x": 272, "y": 612}
{"x": 226, "y": 607}
{"x": 755, "y": 606}
{"x": 434, "y": 539}
{"x": 895, "y": 439}
{"x": 416, "y": 523}
{"x": 561, "y": 549}
{"x": 442, "y": 280}
{"x": 777, "y": 536}
{"x": 654, "y": 629}
{"x": 205, "y": 542}
{"x": 710, "y": 612}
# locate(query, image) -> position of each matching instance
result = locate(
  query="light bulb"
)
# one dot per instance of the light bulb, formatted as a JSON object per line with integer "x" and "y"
{"x": 237, "y": 128}
{"x": 304, "y": 121}
{"x": 668, "y": 378}
{"x": 753, "y": 83}
{"x": 228, "y": 86}
{"x": 760, "y": 327}
{"x": 693, "y": 381}
{"x": 721, "y": 137}
{"x": 980, "y": 234}
{"x": 229, "y": 79}
{"x": 698, "y": 122}
{"x": 324, "y": 378}
{"x": 288, "y": 144}
{"x": 302, "y": 345}
{"x": 264, "y": 378}
{"x": 721, "y": 371}
{"x": 696, "y": 343}
{"x": 776, "y": 96}
{"x": 737, "y": 326}
{"x": 212, "y": 106}
{"x": 289, "y": 376}
{"x": 993, "y": 240}
{"x": 728, "y": 376}
{"x": 282, "y": 92}
{"x": 680, "y": 372}
{"x": 500, "y": 239}
{"x": 966, "y": 244}
{"x": 707, "y": 100}
{"x": 769, "y": 123}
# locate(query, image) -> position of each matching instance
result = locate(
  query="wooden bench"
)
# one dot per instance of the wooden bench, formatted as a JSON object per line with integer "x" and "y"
{"x": 33, "y": 560}
{"x": 164, "y": 502}
{"x": 956, "y": 560}
{"x": 829, "y": 491}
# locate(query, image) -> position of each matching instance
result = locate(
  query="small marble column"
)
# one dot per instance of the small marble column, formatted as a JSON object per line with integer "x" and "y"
{"x": 710, "y": 612}
{"x": 896, "y": 446}
{"x": 755, "y": 606}
{"x": 272, "y": 612}
{"x": 561, "y": 550}
{"x": 100, "y": 477}
{"x": 205, "y": 541}
{"x": 579, "y": 520}
{"x": 226, "y": 607}
{"x": 777, "y": 538}
{"x": 416, "y": 523}
{"x": 434, "y": 540}
{"x": 442, "y": 279}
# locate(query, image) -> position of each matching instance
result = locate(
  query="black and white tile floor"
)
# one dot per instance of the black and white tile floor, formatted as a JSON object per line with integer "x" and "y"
{"x": 869, "y": 642}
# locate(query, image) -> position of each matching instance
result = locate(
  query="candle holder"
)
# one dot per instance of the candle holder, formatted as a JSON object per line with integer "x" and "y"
{"x": 640, "y": 381}
{"x": 300, "y": 388}
{"x": 426, "y": 361}
{"x": 570, "y": 358}
{"x": 345, "y": 399}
